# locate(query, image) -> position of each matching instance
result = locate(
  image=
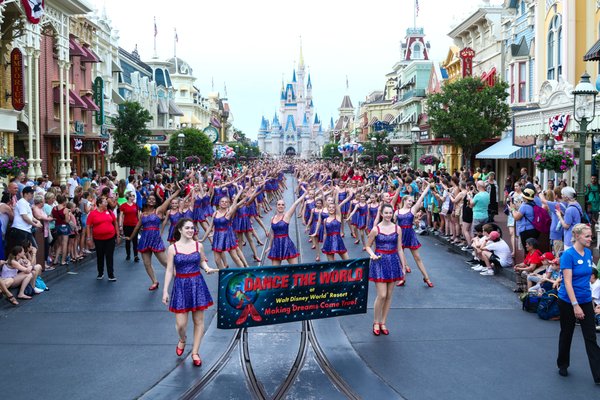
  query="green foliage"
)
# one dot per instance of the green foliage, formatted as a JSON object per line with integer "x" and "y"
{"x": 196, "y": 144}
{"x": 244, "y": 148}
{"x": 469, "y": 111}
{"x": 330, "y": 150}
{"x": 381, "y": 144}
{"x": 130, "y": 135}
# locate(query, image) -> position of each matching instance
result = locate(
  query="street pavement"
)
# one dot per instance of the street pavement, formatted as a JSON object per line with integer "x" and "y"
{"x": 466, "y": 338}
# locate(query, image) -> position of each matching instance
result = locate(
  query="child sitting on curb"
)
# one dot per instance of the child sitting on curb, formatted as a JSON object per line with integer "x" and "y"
{"x": 551, "y": 277}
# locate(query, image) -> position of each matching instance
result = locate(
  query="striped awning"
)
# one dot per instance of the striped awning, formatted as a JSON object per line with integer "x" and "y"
{"x": 388, "y": 118}
{"x": 504, "y": 150}
{"x": 373, "y": 120}
{"x": 593, "y": 54}
{"x": 163, "y": 107}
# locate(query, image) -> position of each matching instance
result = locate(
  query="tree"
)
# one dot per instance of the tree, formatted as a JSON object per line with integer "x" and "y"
{"x": 130, "y": 134}
{"x": 330, "y": 150}
{"x": 469, "y": 111}
{"x": 196, "y": 144}
{"x": 382, "y": 144}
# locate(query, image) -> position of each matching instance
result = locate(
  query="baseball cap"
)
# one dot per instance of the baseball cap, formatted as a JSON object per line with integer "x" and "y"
{"x": 548, "y": 256}
{"x": 494, "y": 235}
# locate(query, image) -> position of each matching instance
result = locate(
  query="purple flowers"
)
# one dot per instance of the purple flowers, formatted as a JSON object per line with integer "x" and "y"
{"x": 428, "y": 159}
{"x": 12, "y": 166}
{"x": 192, "y": 160}
{"x": 171, "y": 159}
{"x": 555, "y": 160}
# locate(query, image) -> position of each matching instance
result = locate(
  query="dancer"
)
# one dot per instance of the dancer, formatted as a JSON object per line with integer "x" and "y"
{"x": 150, "y": 241}
{"x": 386, "y": 266}
{"x": 404, "y": 218}
{"x": 359, "y": 220}
{"x": 189, "y": 293}
{"x": 242, "y": 225}
{"x": 281, "y": 246}
{"x": 224, "y": 239}
{"x": 311, "y": 228}
{"x": 174, "y": 214}
{"x": 373, "y": 211}
{"x": 333, "y": 243}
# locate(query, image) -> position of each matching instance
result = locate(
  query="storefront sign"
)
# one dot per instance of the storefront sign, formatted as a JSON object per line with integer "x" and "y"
{"x": 99, "y": 100}
{"x": 17, "y": 79}
{"x": 466, "y": 55}
{"x": 79, "y": 127}
{"x": 34, "y": 9}
{"x": 266, "y": 295}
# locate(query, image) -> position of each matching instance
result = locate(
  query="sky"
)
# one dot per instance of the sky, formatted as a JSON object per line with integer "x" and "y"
{"x": 248, "y": 46}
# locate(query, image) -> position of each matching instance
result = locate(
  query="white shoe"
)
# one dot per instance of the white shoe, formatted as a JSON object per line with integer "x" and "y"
{"x": 38, "y": 291}
{"x": 480, "y": 268}
{"x": 487, "y": 272}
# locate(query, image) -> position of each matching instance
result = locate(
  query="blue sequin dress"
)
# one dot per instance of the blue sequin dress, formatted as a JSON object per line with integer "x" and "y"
{"x": 324, "y": 216}
{"x": 224, "y": 238}
{"x": 150, "y": 240}
{"x": 189, "y": 292}
{"x": 282, "y": 247}
{"x": 207, "y": 207}
{"x": 372, "y": 216}
{"x": 409, "y": 237}
{"x": 241, "y": 220}
{"x": 334, "y": 244}
{"x": 345, "y": 209}
{"x": 388, "y": 267}
{"x": 307, "y": 210}
{"x": 173, "y": 220}
{"x": 199, "y": 210}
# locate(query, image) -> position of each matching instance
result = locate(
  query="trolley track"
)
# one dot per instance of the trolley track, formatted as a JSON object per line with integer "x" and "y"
{"x": 308, "y": 339}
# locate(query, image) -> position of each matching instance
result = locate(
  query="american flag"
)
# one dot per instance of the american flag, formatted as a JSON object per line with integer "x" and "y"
{"x": 417, "y": 7}
{"x": 176, "y": 37}
{"x": 155, "y": 28}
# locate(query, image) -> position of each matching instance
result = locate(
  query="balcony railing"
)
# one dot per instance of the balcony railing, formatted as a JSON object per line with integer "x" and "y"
{"x": 413, "y": 93}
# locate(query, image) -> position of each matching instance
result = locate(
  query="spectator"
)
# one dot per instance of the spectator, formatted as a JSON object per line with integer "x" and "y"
{"x": 131, "y": 186}
{"x": 530, "y": 265}
{"x": 85, "y": 181}
{"x": 102, "y": 229}
{"x": 496, "y": 253}
{"x": 72, "y": 184}
{"x": 85, "y": 206}
{"x": 480, "y": 203}
{"x": 492, "y": 189}
{"x": 572, "y": 216}
{"x": 551, "y": 277}
{"x": 62, "y": 217}
{"x": 592, "y": 198}
{"x": 22, "y": 272}
{"x": 556, "y": 229}
{"x": 524, "y": 217}
{"x": 128, "y": 219}
{"x": 575, "y": 301}
{"x": 6, "y": 283}
{"x": 40, "y": 215}
{"x": 23, "y": 221}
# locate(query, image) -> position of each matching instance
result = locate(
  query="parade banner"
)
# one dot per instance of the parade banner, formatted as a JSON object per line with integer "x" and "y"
{"x": 273, "y": 295}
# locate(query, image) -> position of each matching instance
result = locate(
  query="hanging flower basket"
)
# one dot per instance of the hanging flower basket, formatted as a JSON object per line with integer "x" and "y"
{"x": 192, "y": 160}
{"x": 11, "y": 166}
{"x": 557, "y": 160}
{"x": 171, "y": 160}
{"x": 428, "y": 159}
{"x": 382, "y": 158}
{"x": 364, "y": 158}
{"x": 596, "y": 156}
{"x": 401, "y": 159}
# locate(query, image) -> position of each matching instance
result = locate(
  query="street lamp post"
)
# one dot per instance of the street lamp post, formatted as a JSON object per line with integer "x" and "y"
{"x": 374, "y": 143}
{"x": 584, "y": 111}
{"x": 181, "y": 143}
{"x": 415, "y": 131}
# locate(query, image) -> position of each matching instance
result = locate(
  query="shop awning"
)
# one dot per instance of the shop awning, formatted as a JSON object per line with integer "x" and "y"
{"x": 116, "y": 67}
{"x": 116, "y": 98}
{"x": 75, "y": 49}
{"x": 373, "y": 120}
{"x": 388, "y": 118}
{"x": 89, "y": 55}
{"x": 90, "y": 105}
{"x": 174, "y": 108}
{"x": 74, "y": 100}
{"x": 593, "y": 54}
{"x": 504, "y": 150}
{"x": 163, "y": 107}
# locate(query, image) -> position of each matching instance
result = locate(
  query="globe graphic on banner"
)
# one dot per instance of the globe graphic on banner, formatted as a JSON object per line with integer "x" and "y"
{"x": 236, "y": 295}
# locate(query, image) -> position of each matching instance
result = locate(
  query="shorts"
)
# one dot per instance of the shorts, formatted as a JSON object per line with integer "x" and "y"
{"x": 63, "y": 230}
{"x": 436, "y": 217}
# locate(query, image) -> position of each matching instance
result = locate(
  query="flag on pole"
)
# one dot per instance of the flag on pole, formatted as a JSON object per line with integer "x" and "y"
{"x": 417, "y": 7}
{"x": 176, "y": 37}
{"x": 155, "y": 28}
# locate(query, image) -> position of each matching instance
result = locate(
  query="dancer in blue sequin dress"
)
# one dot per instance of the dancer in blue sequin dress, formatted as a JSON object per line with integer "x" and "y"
{"x": 333, "y": 243}
{"x": 281, "y": 246}
{"x": 315, "y": 216}
{"x": 190, "y": 293}
{"x": 387, "y": 259}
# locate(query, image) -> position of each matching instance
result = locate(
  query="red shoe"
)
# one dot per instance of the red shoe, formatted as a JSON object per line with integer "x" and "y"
{"x": 428, "y": 282}
{"x": 356, "y": 241}
{"x": 401, "y": 282}
{"x": 154, "y": 286}
{"x": 179, "y": 350}
{"x": 408, "y": 271}
{"x": 376, "y": 329}
{"x": 243, "y": 317}
{"x": 313, "y": 247}
{"x": 256, "y": 258}
{"x": 254, "y": 314}
{"x": 384, "y": 330}
{"x": 197, "y": 362}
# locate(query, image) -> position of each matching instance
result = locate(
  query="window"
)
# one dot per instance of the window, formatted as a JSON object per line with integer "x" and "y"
{"x": 522, "y": 82}
{"x": 512, "y": 83}
{"x": 416, "y": 53}
{"x": 554, "y": 48}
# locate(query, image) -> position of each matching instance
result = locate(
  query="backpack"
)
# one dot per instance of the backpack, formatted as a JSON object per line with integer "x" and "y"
{"x": 548, "y": 306}
{"x": 541, "y": 219}
{"x": 581, "y": 220}
{"x": 530, "y": 302}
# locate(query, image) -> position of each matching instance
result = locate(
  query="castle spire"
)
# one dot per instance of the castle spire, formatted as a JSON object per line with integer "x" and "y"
{"x": 301, "y": 63}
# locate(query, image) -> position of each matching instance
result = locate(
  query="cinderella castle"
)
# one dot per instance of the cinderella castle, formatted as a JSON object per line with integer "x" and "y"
{"x": 297, "y": 130}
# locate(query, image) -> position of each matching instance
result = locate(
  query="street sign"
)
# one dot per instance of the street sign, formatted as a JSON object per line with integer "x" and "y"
{"x": 99, "y": 99}
{"x": 266, "y": 295}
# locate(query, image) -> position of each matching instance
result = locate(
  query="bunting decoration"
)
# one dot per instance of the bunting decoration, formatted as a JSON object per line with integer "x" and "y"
{"x": 558, "y": 125}
{"x": 77, "y": 144}
{"x": 34, "y": 9}
{"x": 103, "y": 146}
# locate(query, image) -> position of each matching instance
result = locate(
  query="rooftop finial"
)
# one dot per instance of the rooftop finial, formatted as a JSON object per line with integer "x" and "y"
{"x": 301, "y": 64}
